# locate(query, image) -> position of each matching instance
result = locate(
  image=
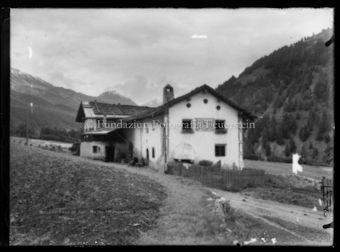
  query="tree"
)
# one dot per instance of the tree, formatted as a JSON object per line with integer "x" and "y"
{"x": 272, "y": 129}
{"x": 286, "y": 126}
{"x": 304, "y": 152}
{"x": 279, "y": 135}
{"x": 287, "y": 150}
{"x": 265, "y": 137}
{"x": 321, "y": 89}
{"x": 292, "y": 145}
{"x": 268, "y": 150}
{"x": 21, "y": 130}
{"x": 304, "y": 132}
{"x": 297, "y": 116}
{"x": 323, "y": 127}
{"x": 315, "y": 153}
{"x": 306, "y": 106}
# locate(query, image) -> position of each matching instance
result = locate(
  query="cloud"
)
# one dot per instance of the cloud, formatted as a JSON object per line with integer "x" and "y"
{"x": 29, "y": 52}
{"x": 195, "y": 36}
{"x": 138, "y": 51}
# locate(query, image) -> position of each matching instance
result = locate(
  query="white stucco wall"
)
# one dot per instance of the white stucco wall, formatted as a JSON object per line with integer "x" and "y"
{"x": 152, "y": 140}
{"x": 86, "y": 149}
{"x": 204, "y": 142}
{"x": 143, "y": 140}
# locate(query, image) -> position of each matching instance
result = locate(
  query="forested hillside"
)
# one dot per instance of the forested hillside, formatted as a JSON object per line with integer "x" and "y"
{"x": 292, "y": 89}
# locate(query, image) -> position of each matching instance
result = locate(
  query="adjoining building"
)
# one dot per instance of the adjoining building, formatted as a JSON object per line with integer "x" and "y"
{"x": 200, "y": 125}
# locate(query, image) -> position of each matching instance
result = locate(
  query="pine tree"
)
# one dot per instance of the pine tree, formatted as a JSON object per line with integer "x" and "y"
{"x": 297, "y": 116}
{"x": 268, "y": 150}
{"x": 304, "y": 152}
{"x": 323, "y": 127}
{"x": 292, "y": 145}
{"x": 264, "y": 137}
{"x": 302, "y": 133}
{"x": 315, "y": 153}
{"x": 279, "y": 135}
{"x": 287, "y": 150}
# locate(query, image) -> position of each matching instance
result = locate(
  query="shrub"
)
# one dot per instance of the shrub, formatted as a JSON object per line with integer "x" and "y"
{"x": 274, "y": 159}
{"x": 279, "y": 159}
{"x": 205, "y": 163}
{"x": 229, "y": 212}
{"x": 251, "y": 157}
{"x": 121, "y": 156}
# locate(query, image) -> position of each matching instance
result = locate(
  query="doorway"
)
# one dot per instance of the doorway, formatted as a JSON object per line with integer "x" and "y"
{"x": 147, "y": 157}
{"x": 110, "y": 154}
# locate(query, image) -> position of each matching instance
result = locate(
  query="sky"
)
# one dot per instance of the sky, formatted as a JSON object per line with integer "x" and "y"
{"x": 138, "y": 51}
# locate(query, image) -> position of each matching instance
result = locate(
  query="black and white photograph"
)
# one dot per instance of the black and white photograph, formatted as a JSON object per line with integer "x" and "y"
{"x": 171, "y": 126}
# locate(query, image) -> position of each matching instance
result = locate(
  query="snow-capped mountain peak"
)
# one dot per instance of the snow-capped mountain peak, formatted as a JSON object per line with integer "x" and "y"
{"x": 111, "y": 92}
{"x": 154, "y": 102}
{"x": 113, "y": 97}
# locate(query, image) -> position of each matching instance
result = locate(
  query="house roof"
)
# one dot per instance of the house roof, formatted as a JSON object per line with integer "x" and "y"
{"x": 129, "y": 112}
{"x": 202, "y": 88}
{"x": 95, "y": 109}
{"x": 117, "y": 109}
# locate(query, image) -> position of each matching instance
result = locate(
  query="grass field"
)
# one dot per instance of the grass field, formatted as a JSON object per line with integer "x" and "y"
{"x": 37, "y": 142}
{"x": 315, "y": 172}
{"x": 60, "y": 201}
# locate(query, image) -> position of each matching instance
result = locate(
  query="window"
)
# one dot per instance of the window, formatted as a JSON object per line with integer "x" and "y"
{"x": 220, "y": 127}
{"x": 153, "y": 152}
{"x": 94, "y": 149}
{"x": 147, "y": 128}
{"x": 187, "y": 126}
{"x": 220, "y": 150}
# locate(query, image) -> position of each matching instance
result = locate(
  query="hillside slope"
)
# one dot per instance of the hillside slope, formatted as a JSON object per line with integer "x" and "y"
{"x": 53, "y": 107}
{"x": 292, "y": 88}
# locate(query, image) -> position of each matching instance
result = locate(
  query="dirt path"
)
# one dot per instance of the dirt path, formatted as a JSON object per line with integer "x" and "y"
{"x": 299, "y": 221}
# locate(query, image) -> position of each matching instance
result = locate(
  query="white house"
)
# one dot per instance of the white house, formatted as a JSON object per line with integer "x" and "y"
{"x": 200, "y": 125}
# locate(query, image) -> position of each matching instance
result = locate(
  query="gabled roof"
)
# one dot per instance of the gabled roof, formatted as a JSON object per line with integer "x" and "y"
{"x": 117, "y": 109}
{"x": 160, "y": 109}
{"x": 95, "y": 109}
{"x": 130, "y": 112}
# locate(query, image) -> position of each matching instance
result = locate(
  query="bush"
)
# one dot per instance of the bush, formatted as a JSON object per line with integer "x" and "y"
{"x": 274, "y": 159}
{"x": 251, "y": 157}
{"x": 229, "y": 212}
{"x": 121, "y": 157}
{"x": 205, "y": 163}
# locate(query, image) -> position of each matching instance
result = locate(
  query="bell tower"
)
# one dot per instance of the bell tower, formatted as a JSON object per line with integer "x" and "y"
{"x": 168, "y": 93}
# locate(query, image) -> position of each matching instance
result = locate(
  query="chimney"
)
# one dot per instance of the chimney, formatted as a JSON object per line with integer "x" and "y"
{"x": 168, "y": 94}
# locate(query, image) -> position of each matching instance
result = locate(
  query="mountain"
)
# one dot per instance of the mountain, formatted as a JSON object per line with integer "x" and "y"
{"x": 293, "y": 89}
{"x": 52, "y": 106}
{"x": 153, "y": 103}
{"x": 109, "y": 96}
{"x": 28, "y": 84}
